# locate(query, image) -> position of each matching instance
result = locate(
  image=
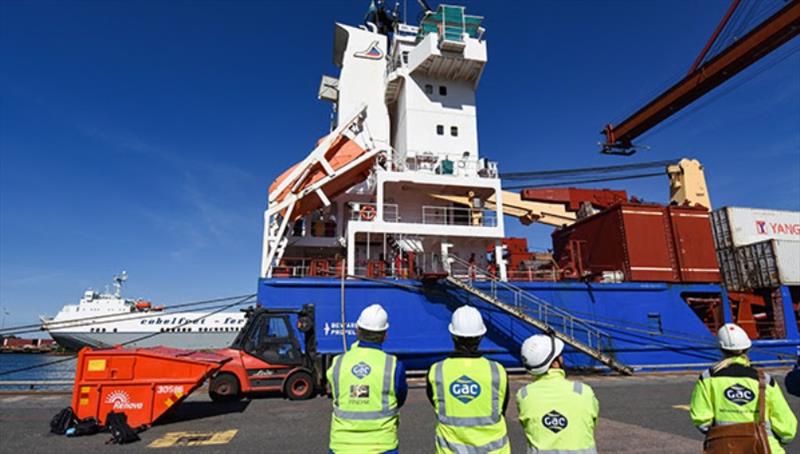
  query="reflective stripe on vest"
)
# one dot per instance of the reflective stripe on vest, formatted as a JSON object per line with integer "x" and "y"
{"x": 532, "y": 450}
{"x": 384, "y": 412}
{"x": 459, "y": 448}
{"x": 457, "y": 421}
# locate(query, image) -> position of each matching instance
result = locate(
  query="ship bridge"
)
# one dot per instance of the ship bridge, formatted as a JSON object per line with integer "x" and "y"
{"x": 400, "y": 175}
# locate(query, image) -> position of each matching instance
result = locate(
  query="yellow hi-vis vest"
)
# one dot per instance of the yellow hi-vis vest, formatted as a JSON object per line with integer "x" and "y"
{"x": 558, "y": 415}
{"x": 365, "y": 414}
{"x": 730, "y": 396}
{"x": 468, "y": 394}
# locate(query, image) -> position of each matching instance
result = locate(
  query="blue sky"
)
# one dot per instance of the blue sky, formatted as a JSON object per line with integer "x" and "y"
{"x": 143, "y": 135}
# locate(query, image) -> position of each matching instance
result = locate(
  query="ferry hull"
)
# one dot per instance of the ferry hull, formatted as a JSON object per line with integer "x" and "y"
{"x": 187, "y": 341}
{"x": 650, "y": 325}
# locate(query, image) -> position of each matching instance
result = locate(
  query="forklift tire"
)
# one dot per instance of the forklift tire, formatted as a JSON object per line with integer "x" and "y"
{"x": 224, "y": 388}
{"x": 299, "y": 386}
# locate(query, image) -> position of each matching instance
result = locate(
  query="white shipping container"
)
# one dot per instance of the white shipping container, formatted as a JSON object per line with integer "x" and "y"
{"x": 737, "y": 227}
{"x": 787, "y": 254}
{"x": 767, "y": 264}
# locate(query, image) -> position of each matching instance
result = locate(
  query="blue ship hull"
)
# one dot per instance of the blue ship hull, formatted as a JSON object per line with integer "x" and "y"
{"x": 650, "y": 325}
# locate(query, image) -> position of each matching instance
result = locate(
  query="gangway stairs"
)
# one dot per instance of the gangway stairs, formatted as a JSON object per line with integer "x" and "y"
{"x": 548, "y": 318}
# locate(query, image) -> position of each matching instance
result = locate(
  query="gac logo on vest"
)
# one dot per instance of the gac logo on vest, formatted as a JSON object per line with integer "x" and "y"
{"x": 739, "y": 394}
{"x": 361, "y": 370}
{"x": 555, "y": 421}
{"x": 465, "y": 389}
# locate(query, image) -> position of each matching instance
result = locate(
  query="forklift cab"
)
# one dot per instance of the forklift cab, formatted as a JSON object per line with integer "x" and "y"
{"x": 271, "y": 338}
{"x": 267, "y": 356}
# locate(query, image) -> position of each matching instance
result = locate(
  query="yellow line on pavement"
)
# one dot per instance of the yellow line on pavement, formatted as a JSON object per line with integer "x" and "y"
{"x": 682, "y": 407}
{"x": 173, "y": 439}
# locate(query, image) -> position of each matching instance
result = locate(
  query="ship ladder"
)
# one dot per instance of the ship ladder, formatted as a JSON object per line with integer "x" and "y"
{"x": 548, "y": 316}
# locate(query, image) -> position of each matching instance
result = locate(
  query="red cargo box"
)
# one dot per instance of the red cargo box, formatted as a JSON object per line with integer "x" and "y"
{"x": 143, "y": 383}
{"x": 645, "y": 242}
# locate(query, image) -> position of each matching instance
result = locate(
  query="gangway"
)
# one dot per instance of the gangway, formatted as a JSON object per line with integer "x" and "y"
{"x": 547, "y": 317}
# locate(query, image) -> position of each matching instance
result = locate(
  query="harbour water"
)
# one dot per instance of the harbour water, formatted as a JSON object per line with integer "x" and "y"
{"x": 63, "y": 370}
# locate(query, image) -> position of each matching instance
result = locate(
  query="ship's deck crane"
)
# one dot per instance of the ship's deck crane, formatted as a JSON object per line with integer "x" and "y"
{"x": 760, "y": 41}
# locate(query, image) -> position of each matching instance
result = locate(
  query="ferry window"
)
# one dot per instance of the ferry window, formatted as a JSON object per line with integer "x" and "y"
{"x": 454, "y": 131}
{"x": 443, "y": 90}
{"x": 429, "y": 89}
{"x": 115, "y": 330}
{"x": 440, "y": 130}
{"x": 405, "y": 57}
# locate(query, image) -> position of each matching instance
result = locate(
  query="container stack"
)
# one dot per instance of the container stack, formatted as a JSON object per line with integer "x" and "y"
{"x": 756, "y": 248}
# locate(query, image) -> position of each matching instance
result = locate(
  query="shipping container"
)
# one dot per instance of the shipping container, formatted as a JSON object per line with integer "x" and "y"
{"x": 735, "y": 227}
{"x": 644, "y": 242}
{"x": 766, "y": 264}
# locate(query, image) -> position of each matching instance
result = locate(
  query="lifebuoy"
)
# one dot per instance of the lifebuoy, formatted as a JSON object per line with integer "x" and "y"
{"x": 368, "y": 212}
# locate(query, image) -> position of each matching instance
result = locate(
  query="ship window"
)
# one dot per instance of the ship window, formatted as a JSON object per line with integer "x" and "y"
{"x": 405, "y": 57}
{"x": 454, "y": 131}
{"x": 429, "y": 89}
{"x": 115, "y": 330}
{"x": 443, "y": 90}
{"x": 440, "y": 130}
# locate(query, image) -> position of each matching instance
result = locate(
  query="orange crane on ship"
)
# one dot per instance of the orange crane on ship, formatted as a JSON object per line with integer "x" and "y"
{"x": 704, "y": 76}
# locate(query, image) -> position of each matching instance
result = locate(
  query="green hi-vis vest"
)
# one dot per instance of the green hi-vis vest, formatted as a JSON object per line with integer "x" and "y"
{"x": 558, "y": 415}
{"x": 468, "y": 394}
{"x": 730, "y": 396}
{"x": 365, "y": 414}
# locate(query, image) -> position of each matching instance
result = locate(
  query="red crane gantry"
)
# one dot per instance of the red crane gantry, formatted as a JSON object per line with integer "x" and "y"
{"x": 763, "y": 39}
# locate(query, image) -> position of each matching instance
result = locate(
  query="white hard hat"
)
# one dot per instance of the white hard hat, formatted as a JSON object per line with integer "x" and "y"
{"x": 467, "y": 322}
{"x": 539, "y": 351}
{"x": 732, "y": 337}
{"x": 373, "y": 318}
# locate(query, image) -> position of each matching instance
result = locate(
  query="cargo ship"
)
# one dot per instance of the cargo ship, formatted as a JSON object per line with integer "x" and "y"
{"x": 397, "y": 205}
{"x": 104, "y": 319}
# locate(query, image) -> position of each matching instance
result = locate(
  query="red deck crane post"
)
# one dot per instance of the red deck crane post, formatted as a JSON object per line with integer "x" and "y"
{"x": 760, "y": 41}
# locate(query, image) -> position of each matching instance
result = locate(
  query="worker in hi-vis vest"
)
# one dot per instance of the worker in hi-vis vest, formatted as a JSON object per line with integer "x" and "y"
{"x": 368, "y": 388}
{"x": 558, "y": 415}
{"x": 728, "y": 393}
{"x": 469, "y": 393}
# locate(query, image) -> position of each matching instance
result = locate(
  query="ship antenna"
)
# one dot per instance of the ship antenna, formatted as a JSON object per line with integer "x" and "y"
{"x": 118, "y": 281}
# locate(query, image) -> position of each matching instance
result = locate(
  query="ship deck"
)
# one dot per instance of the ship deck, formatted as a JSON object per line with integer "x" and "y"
{"x": 631, "y": 420}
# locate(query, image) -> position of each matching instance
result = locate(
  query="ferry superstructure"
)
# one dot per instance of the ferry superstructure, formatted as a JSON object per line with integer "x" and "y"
{"x": 396, "y": 203}
{"x": 105, "y": 319}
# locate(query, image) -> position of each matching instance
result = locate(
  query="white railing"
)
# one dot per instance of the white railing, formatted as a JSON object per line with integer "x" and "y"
{"x": 433, "y": 163}
{"x": 458, "y": 216}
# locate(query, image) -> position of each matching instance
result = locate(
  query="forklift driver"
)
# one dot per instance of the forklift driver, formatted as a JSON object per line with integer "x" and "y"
{"x": 368, "y": 388}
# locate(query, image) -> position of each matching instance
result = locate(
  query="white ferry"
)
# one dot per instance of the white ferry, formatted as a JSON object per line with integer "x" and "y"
{"x": 104, "y": 319}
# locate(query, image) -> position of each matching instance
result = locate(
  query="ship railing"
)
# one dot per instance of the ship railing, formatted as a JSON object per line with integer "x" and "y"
{"x": 441, "y": 164}
{"x": 301, "y": 267}
{"x": 538, "y": 308}
{"x": 442, "y": 215}
{"x": 368, "y": 212}
{"x": 472, "y": 272}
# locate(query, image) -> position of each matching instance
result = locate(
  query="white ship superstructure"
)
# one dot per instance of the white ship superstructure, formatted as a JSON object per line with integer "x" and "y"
{"x": 399, "y": 182}
{"x": 104, "y": 319}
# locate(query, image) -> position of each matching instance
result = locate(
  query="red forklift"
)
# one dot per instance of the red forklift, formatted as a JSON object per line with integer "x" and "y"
{"x": 267, "y": 357}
